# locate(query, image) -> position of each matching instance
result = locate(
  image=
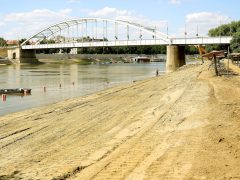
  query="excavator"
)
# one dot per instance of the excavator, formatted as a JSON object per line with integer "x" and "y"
{"x": 213, "y": 55}
{"x": 203, "y": 53}
{"x": 201, "y": 49}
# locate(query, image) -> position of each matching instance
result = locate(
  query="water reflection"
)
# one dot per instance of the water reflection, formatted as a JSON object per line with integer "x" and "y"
{"x": 87, "y": 79}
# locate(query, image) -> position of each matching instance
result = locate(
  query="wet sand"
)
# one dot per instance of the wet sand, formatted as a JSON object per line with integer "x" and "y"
{"x": 183, "y": 125}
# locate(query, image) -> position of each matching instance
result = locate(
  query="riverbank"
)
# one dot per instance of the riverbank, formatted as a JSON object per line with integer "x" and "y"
{"x": 85, "y": 59}
{"x": 183, "y": 125}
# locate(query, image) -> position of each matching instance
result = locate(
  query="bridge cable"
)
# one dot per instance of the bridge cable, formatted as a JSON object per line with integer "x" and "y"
{"x": 86, "y": 29}
{"x": 106, "y": 30}
{"x": 155, "y": 38}
{"x": 103, "y": 38}
{"x": 77, "y": 31}
{"x": 82, "y": 35}
{"x": 127, "y": 34}
{"x": 140, "y": 36}
{"x": 96, "y": 28}
{"x": 116, "y": 34}
{"x": 92, "y": 33}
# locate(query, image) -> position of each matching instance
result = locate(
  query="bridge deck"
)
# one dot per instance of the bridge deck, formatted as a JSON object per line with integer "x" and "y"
{"x": 174, "y": 41}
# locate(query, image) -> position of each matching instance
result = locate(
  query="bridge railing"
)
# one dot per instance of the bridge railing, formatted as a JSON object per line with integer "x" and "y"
{"x": 173, "y": 41}
{"x": 97, "y": 44}
{"x": 202, "y": 40}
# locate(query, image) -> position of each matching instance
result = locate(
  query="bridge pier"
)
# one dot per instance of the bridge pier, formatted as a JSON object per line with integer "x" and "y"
{"x": 175, "y": 57}
{"x": 18, "y": 55}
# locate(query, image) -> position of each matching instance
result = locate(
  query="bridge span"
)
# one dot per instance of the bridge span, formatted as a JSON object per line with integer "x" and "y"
{"x": 172, "y": 41}
{"x": 100, "y": 32}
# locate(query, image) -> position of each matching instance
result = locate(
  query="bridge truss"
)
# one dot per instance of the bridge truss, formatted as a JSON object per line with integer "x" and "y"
{"x": 100, "y": 32}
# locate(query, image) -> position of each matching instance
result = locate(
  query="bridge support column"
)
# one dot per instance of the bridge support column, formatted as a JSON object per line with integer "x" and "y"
{"x": 175, "y": 58}
{"x": 18, "y": 55}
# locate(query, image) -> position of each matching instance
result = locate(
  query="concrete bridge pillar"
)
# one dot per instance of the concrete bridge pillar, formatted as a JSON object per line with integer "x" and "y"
{"x": 19, "y": 55}
{"x": 175, "y": 57}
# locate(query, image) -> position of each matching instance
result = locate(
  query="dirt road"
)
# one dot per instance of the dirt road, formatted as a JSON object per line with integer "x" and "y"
{"x": 184, "y": 125}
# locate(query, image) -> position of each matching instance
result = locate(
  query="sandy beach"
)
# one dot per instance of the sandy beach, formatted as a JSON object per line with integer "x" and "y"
{"x": 183, "y": 125}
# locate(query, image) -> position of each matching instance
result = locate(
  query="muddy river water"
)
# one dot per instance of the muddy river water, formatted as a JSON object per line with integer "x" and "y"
{"x": 76, "y": 80}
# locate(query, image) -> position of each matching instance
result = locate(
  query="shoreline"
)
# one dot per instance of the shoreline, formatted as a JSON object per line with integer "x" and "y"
{"x": 72, "y": 99}
{"x": 179, "y": 125}
{"x": 86, "y": 80}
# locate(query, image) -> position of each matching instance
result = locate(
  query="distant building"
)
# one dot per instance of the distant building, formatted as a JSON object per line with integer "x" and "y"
{"x": 62, "y": 39}
{"x": 12, "y": 42}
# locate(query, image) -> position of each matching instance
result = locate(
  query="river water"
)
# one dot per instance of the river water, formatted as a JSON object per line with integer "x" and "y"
{"x": 87, "y": 79}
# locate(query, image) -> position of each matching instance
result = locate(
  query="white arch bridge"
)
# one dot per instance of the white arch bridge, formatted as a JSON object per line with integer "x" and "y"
{"x": 100, "y": 32}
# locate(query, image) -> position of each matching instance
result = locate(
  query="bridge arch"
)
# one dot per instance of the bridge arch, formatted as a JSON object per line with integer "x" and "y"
{"x": 56, "y": 28}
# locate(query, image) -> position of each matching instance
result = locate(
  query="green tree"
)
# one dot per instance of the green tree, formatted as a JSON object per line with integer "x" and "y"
{"x": 231, "y": 29}
{"x": 235, "y": 42}
{"x": 47, "y": 41}
{"x": 225, "y": 29}
{"x": 66, "y": 50}
{"x": 3, "y": 42}
{"x": 124, "y": 50}
{"x": 191, "y": 50}
{"x": 48, "y": 51}
{"x": 22, "y": 40}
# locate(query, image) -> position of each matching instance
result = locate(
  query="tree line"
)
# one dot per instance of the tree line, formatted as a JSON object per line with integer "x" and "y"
{"x": 148, "y": 50}
{"x": 3, "y": 42}
{"x": 230, "y": 29}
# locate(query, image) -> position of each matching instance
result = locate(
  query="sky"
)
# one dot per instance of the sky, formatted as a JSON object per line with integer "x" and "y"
{"x": 23, "y": 18}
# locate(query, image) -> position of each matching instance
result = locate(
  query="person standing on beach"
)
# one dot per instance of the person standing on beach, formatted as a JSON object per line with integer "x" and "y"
{"x": 157, "y": 72}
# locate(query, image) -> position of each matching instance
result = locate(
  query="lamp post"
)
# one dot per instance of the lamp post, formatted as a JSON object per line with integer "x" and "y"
{"x": 220, "y": 23}
{"x": 197, "y": 31}
{"x": 167, "y": 27}
{"x": 185, "y": 32}
{"x": 230, "y": 28}
{"x": 230, "y": 20}
{"x": 164, "y": 24}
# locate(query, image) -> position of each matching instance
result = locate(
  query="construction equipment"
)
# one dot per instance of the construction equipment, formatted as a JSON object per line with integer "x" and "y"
{"x": 201, "y": 49}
